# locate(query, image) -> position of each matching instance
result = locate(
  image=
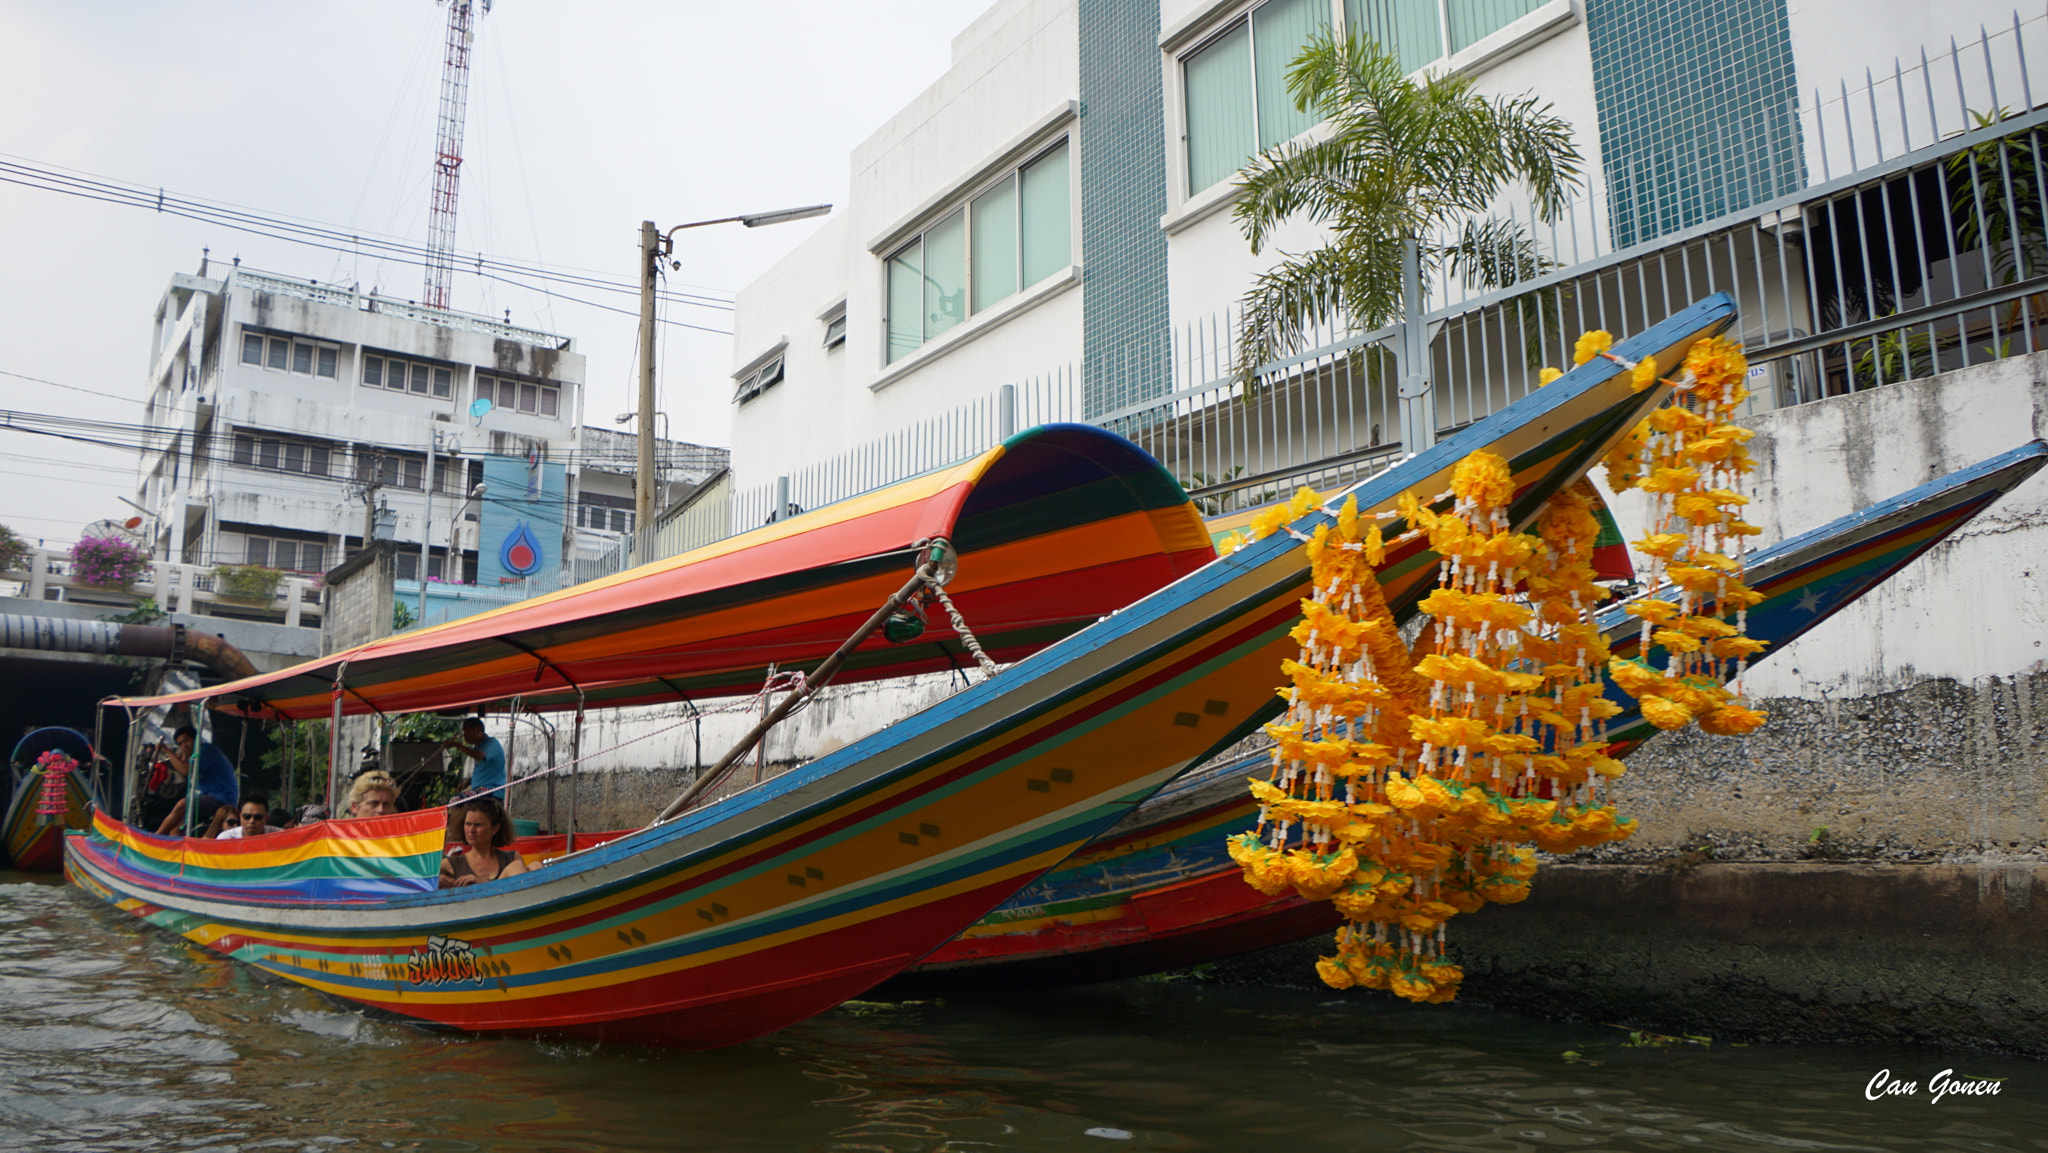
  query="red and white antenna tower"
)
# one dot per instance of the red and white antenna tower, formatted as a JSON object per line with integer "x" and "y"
{"x": 448, "y": 151}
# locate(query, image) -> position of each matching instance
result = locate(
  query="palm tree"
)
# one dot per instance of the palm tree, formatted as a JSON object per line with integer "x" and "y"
{"x": 1400, "y": 163}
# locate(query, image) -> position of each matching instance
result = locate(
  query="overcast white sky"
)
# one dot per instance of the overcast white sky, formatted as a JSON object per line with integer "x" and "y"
{"x": 585, "y": 118}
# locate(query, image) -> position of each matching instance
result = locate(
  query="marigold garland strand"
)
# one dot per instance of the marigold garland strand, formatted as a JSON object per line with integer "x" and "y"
{"x": 1408, "y": 787}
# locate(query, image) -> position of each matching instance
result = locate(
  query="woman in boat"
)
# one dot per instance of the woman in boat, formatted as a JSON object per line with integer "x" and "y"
{"x": 482, "y": 856}
{"x": 375, "y": 794}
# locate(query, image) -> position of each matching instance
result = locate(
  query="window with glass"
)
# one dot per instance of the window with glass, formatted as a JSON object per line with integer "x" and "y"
{"x": 286, "y": 354}
{"x": 604, "y": 512}
{"x": 285, "y": 555}
{"x": 395, "y": 470}
{"x": 1235, "y": 83}
{"x": 758, "y": 381}
{"x": 257, "y": 450}
{"x": 530, "y": 397}
{"x": 416, "y": 377}
{"x": 1006, "y": 237}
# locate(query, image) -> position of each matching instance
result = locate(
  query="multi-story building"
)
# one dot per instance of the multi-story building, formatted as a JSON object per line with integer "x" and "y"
{"x": 284, "y": 414}
{"x": 607, "y": 460}
{"x": 1054, "y": 212}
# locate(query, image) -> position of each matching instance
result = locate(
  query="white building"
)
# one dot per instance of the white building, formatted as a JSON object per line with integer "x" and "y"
{"x": 281, "y": 411}
{"x": 607, "y": 461}
{"x": 1055, "y": 208}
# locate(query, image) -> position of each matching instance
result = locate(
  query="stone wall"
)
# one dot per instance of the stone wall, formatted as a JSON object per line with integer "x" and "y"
{"x": 1910, "y": 726}
{"x": 359, "y": 608}
{"x": 1929, "y": 954}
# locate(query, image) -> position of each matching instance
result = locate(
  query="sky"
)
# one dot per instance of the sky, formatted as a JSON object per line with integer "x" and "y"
{"x": 585, "y": 118}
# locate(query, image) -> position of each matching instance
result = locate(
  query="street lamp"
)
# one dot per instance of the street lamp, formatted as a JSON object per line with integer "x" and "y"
{"x": 655, "y": 246}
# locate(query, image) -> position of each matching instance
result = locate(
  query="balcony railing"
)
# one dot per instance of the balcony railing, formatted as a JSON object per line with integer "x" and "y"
{"x": 176, "y": 588}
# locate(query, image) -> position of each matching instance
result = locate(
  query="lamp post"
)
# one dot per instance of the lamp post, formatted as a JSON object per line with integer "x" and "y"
{"x": 656, "y": 245}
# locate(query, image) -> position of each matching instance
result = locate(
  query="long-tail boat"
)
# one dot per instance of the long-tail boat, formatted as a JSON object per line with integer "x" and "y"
{"x": 31, "y": 840}
{"x": 764, "y": 907}
{"x": 1158, "y": 891}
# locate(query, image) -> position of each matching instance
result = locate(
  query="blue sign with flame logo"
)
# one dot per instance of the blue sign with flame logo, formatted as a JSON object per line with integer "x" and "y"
{"x": 521, "y": 553}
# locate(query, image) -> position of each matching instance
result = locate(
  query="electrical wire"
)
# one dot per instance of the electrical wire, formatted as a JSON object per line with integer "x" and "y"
{"x": 333, "y": 239}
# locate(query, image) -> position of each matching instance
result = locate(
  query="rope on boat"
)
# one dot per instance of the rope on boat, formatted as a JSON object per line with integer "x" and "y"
{"x": 988, "y": 667}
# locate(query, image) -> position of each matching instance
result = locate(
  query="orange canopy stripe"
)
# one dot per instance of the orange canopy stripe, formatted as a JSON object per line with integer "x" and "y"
{"x": 1053, "y": 529}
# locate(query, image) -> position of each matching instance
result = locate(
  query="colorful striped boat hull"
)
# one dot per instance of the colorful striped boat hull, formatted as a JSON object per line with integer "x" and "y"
{"x": 777, "y": 903}
{"x": 1159, "y": 892}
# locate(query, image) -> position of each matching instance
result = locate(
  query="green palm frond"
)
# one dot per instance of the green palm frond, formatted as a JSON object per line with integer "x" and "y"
{"x": 1397, "y": 160}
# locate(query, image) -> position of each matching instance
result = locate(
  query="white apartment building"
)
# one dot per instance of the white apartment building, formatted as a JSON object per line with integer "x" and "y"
{"x": 1056, "y": 206}
{"x": 608, "y": 460}
{"x": 282, "y": 412}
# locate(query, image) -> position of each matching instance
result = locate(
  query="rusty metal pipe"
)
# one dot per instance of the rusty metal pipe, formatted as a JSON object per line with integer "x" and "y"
{"x": 110, "y": 639}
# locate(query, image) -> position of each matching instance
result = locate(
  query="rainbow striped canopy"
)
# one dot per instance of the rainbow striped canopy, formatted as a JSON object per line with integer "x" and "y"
{"x": 1054, "y": 528}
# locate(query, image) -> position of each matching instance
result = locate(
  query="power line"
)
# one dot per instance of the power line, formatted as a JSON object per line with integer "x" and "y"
{"x": 71, "y": 387}
{"x": 330, "y": 238}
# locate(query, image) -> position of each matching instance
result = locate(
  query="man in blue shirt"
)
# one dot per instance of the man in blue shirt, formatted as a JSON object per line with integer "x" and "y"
{"x": 218, "y": 789}
{"x": 488, "y": 774}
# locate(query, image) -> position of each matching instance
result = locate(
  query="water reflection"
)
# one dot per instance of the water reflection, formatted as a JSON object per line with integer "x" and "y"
{"x": 111, "y": 1038}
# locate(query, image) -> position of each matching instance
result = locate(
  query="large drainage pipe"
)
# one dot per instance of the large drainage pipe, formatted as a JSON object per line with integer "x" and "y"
{"x": 109, "y": 639}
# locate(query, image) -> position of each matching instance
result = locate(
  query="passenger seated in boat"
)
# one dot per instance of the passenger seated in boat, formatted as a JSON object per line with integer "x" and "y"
{"x": 482, "y": 856}
{"x": 218, "y": 789}
{"x": 254, "y": 819}
{"x": 375, "y": 794}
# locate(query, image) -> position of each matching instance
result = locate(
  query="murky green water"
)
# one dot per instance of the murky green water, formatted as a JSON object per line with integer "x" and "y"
{"x": 113, "y": 1038}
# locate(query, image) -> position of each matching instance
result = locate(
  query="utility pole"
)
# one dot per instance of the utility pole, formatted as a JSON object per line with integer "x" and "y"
{"x": 656, "y": 245}
{"x": 643, "y": 470}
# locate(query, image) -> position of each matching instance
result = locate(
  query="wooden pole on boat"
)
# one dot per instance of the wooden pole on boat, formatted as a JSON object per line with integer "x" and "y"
{"x": 334, "y": 736}
{"x": 927, "y": 572}
{"x": 575, "y": 767}
{"x": 761, "y": 748}
{"x": 192, "y": 764}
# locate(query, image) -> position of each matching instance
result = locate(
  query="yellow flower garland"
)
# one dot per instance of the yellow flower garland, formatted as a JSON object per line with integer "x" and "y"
{"x": 1408, "y": 787}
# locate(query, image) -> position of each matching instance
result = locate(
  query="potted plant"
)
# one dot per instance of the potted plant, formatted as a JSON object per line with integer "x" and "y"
{"x": 108, "y": 562}
{"x": 250, "y": 582}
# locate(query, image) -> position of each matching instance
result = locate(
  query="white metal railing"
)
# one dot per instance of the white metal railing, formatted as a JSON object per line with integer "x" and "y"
{"x": 176, "y": 588}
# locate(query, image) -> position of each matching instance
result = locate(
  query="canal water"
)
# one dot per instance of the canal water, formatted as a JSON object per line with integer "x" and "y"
{"x": 113, "y": 1038}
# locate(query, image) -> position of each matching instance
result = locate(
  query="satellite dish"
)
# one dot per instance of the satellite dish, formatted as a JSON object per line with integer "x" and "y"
{"x": 113, "y": 528}
{"x": 133, "y": 522}
{"x": 479, "y": 408}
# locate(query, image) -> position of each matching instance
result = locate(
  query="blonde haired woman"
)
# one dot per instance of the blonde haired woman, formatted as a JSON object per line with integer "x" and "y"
{"x": 375, "y": 794}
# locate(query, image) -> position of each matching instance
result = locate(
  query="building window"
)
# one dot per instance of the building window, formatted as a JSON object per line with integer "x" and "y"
{"x": 1235, "y": 83}
{"x": 407, "y": 564}
{"x": 604, "y": 513}
{"x": 285, "y": 354}
{"x": 835, "y": 327}
{"x": 1011, "y": 234}
{"x": 390, "y": 469}
{"x": 1236, "y": 87}
{"x": 759, "y": 381}
{"x": 416, "y": 377}
{"x": 254, "y": 450}
{"x": 532, "y": 398}
{"x": 285, "y": 555}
